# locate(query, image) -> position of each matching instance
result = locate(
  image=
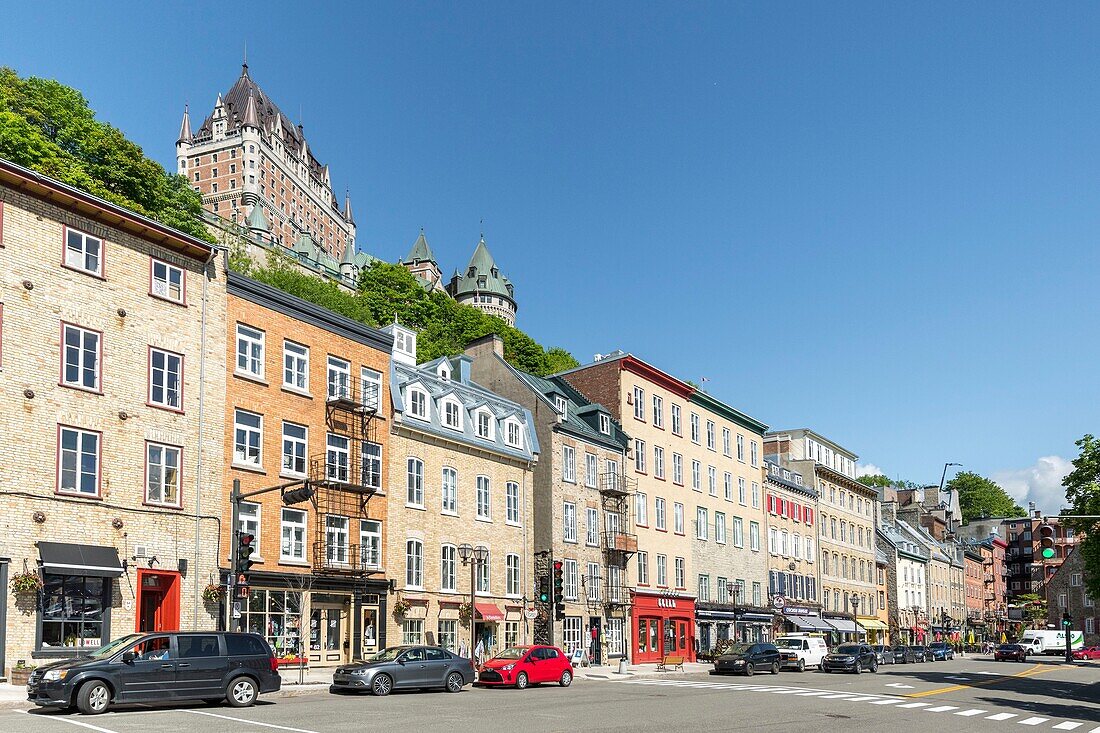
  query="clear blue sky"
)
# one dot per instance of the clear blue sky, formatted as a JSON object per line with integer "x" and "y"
{"x": 877, "y": 220}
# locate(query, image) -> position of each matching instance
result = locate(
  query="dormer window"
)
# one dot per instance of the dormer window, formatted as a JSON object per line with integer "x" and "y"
{"x": 404, "y": 342}
{"x": 512, "y": 434}
{"x": 418, "y": 403}
{"x": 444, "y": 372}
{"x": 452, "y": 415}
{"x": 561, "y": 405}
{"x": 484, "y": 425}
{"x": 798, "y": 479}
{"x": 605, "y": 424}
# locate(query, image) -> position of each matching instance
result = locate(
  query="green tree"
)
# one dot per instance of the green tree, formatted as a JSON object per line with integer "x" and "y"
{"x": 49, "y": 127}
{"x": 875, "y": 480}
{"x": 1035, "y": 609}
{"x": 980, "y": 497}
{"x": 1082, "y": 486}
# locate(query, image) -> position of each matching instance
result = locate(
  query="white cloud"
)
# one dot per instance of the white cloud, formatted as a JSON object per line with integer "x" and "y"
{"x": 868, "y": 469}
{"x": 1040, "y": 482}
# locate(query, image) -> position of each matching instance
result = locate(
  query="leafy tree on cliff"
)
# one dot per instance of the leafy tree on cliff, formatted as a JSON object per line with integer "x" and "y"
{"x": 1082, "y": 486}
{"x": 980, "y": 497}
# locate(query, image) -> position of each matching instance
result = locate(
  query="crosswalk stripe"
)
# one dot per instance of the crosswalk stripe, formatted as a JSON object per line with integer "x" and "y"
{"x": 784, "y": 692}
{"x": 813, "y": 693}
{"x": 1000, "y": 716}
{"x": 969, "y": 713}
{"x": 863, "y": 698}
{"x": 915, "y": 705}
{"x": 887, "y": 701}
{"x": 1068, "y": 725}
{"x": 1032, "y": 721}
{"x": 942, "y": 708}
{"x": 841, "y": 696}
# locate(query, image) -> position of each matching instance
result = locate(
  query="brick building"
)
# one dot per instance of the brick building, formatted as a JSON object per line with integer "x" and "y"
{"x": 581, "y": 501}
{"x": 1066, "y": 593}
{"x": 113, "y": 376}
{"x": 303, "y": 403}
{"x": 461, "y": 516}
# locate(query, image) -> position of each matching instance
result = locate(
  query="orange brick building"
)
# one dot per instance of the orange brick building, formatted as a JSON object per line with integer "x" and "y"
{"x": 303, "y": 399}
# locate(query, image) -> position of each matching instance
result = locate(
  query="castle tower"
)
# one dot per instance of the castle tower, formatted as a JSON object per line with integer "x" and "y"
{"x": 483, "y": 286}
{"x": 421, "y": 262}
{"x": 248, "y": 151}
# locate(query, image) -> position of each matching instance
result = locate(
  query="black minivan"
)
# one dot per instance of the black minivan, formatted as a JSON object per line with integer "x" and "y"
{"x": 160, "y": 667}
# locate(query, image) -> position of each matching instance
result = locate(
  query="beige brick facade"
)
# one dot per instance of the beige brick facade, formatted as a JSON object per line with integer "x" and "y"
{"x": 123, "y": 439}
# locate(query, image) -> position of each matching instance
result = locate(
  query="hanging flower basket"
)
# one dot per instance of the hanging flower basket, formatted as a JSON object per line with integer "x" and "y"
{"x": 401, "y": 607}
{"x": 465, "y": 612}
{"x": 26, "y": 582}
{"x": 213, "y": 594}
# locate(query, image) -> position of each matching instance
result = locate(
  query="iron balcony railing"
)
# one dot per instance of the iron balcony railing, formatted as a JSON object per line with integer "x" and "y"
{"x": 616, "y": 484}
{"x": 621, "y": 542}
{"x": 334, "y": 557}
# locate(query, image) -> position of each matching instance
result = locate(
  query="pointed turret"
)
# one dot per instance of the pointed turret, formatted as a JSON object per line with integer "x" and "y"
{"x": 251, "y": 116}
{"x": 347, "y": 208}
{"x": 347, "y": 262}
{"x": 257, "y": 220}
{"x": 420, "y": 251}
{"x": 483, "y": 286}
{"x": 185, "y": 127}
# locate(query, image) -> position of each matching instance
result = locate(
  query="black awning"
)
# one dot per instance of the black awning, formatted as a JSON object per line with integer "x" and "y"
{"x": 59, "y": 558}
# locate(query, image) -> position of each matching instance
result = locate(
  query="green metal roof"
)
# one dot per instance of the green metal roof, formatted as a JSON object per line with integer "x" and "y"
{"x": 720, "y": 408}
{"x": 482, "y": 265}
{"x": 257, "y": 219}
{"x": 420, "y": 251}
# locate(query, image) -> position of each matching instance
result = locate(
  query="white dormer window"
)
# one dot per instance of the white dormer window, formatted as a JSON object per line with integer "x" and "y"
{"x": 798, "y": 479}
{"x": 444, "y": 372}
{"x": 512, "y": 433}
{"x": 452, "y": 414}
{"x": 404, "y": 342}
{"x": 561, "y": 405}
{"x": 484, "y": 425}
{"x": 418, "y": 403}
{"x": 605, "y": 424}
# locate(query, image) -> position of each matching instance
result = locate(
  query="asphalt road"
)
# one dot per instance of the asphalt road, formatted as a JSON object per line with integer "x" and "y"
{"x": 961, "y": 695}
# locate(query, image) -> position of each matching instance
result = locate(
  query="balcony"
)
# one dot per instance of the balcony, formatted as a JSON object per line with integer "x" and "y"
{"x": 620, "y": 542}
{"x": 616, "y": 595}
{"x": 335, "y": 558}
{"x": 616, "y": 484}
{"x": 338, "y": 469}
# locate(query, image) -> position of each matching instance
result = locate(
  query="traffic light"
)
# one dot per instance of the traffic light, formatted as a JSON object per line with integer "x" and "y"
{"x": 243, "y": 555}
{"x": 1046, "y": 541}
{"x": 559, "y": 591}
{"x": 1067, "y": 620}
{"x": 544, "y": 589}
{"x": 297, "y": 496}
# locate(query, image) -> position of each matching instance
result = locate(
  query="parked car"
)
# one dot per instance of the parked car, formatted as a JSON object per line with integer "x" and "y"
{"x": 801, "y": 651}
{"x": 747, "y": 659}
{"x": 520, "y": 666}
{"x": 850, "y": 658}
{"x": 941, "y": 651}
{"x": 403, "y": 668}
{"x": 142, "y": 668}
{"x": 920, "y": 653}
{"x": 1010, "y": 652}
{"x": 884, "y": 654}
{"x": 1092, "y": 652}
{"x": 904, "y": 654}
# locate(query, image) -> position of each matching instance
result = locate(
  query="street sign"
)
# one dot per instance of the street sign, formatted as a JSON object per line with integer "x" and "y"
{"x": 779, "y": 601}
{"x": 530, "y": 614}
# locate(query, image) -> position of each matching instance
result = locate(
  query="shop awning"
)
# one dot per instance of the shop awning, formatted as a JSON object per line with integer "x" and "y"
{"x": 843, "y": 625}
{"x": 756, "y": 617}
{"x": 706, "y": 615}
{"x": 808, "y": 623}
{"x": 873, "y": 623}
{"x": 488, "y": 612}
{"x": 59, "y": 558}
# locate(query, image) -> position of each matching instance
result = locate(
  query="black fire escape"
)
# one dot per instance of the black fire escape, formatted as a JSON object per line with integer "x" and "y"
{"x": 618, "y": 541}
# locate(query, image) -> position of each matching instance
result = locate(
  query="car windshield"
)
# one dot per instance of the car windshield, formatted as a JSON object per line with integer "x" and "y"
{"x": 112, "y": 648}
{"x": 515, "y": 652}
{"x": 939, "y": 644}
{"x": 739, "y": 649}
{"x": 1009, "y": 647}
{"x": 789, "y": 643}
{"x": 387, "y": 655}
{"x": 847, "y": 649}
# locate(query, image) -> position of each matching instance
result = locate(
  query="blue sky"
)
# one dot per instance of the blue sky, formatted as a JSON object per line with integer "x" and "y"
{"x": 876, "y": 220}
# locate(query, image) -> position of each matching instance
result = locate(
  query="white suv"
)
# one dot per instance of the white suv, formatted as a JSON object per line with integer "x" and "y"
{"x": 801, "y": 651}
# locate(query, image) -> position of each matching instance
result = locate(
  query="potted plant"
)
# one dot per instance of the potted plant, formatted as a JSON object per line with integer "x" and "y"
{"x": 213, "y": 593}
{"x": 465, "y": 613}
{"x": 20, "y": 673}
{"x": 26, "y": 582}
{"x": 401, "y": 607}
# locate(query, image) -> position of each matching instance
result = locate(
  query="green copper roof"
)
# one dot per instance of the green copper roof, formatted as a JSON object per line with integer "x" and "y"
{"x": 420, "y": 251}
{"x": 349, "y": 254}
{"x": 257, "y": 219}
{"x": 483, "y": 276}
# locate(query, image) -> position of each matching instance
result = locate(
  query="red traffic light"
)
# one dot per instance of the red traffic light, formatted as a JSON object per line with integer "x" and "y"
{"x": 246, "y": 539}
{"x": 558, "y": 565}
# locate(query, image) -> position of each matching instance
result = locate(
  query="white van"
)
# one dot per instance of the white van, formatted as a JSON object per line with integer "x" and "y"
{"x": 801, "y": 650}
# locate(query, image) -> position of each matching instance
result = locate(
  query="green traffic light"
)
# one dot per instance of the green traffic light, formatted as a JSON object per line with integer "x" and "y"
{"x": 1048, "y": 553}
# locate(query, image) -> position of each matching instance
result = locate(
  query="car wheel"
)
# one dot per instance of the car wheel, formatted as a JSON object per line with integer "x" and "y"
{"x": 826, "y": 670}
{"x": 521, "y": 681}
{"x": 858, "y": 669}
{"x": 801, "y": 665}
{"x": 454, "y": 682}
{"x": 566, "y": 678}
{"x": 94, "y": 698}
{"x": 775, "y": 667}
{"x": 241, "y": 692}
{"x": 382, "y": 685}
{"x": 749, "y": 671}
{"x": 874, "y": 666}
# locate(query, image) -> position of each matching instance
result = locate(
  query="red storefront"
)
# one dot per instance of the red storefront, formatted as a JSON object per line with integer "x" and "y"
{"x": 663, "y": 625}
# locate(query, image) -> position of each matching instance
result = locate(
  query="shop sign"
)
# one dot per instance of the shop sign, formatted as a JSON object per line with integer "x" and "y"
{"x": 666, "y": 603}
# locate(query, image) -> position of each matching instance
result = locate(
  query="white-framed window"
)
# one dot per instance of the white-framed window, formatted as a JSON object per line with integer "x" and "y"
{"x": 452, "y": 414}
{"x": 741, "y": 447}
{"x": 659, "y": 513}
{"x": 639, "y": 404}
{"x": 755, "y": 495}
{"x": 696, "y": 477}
{"x": 81, "y": 357}
{"x": 561, "y": 405}
{"x": 754, "y": 453}
{"x": 1075, "y": 579}
{"x": 726, "y": 442}
{"x": 639, "y": 456}
{"x": 370, "y": 385}
{"x": 720, "y": 527}
{"x": 677, "y": 469}
{"x": 677, "y": 427}
{"x": 414, "y": 482}
{"x": 702, "y": 522}
{"x": 1090, "y": 625}
{"x": 605, "y": 424}
{"x": 658, "y": 412}
{"x": 336, "y": 539}
{"x": 482, "y": 576}
{"x": 292, "y": 530}
{"x": 757, "y": 592}
{"x": 591, "y": 470}
{"x": 569, "y": 522}
{"x": 162, "y": 474}
{"x": 339, "y": 378}
{"x": 678, "y": 518}
{"x": 83, "y": 252}
{"x": 511, "y": 575}
{"x": 484, "y": 509}
{"x": 681, "y": 576}
{"x": 703, "y": 593}
{"x": 754, "y": 536}
{"x": 738, "y": 532}
{"x": 248, "y": 522}
{"x": 592, "y": 582}
{"x": 658, "y": 462}
{"x": 614, "y": 636}
{"x": 592, "y": 527}
{"x": 165, "y": 379}
{"x": 571, "y": 634}
{"x": 662, "y": 570}
{"x": 414, "y": 564}
{"x": 295, "y": 443}
{"x": 295, "y": 366}
{"x": 418, "y": 403}
{"x": 712, "y": 480}
{"x": 722, "y": 590}
{"x": 511, "y": 502}
{"x": 570, "y": 580}
{"x": 337, "y": 457}
{"x": 711, "y": 438}
{"x": 248, "y": 438}
{"x": 448, "y": 568}
{"x": 448, "y": 491}
{"x": 371, "y": 454}
{"x": 513, "y": 436}
{"x": 370, "y": 542}
{"x": 568, "y": 464}
{"x": 694, "y": 422}
{"x": 643, "y": 567}
{"x": 485, "y": 424}
{"x": 727, "y": 485}
{"x": 641, "y": 510}
{"x": 741, "y": 497}
{"x": 250, "y": 351}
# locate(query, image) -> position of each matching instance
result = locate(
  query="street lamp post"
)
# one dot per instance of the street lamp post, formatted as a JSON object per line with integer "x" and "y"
{"x": 854, "y": 600}
{"x": 944, "y": 476}
{"x": 473, "y": 556}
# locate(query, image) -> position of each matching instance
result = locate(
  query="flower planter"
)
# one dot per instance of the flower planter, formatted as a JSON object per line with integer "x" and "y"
{"x": 21, "y": 675}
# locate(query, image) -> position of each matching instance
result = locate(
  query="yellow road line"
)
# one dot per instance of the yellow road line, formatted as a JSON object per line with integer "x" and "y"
{"x": 1037, "y": 669}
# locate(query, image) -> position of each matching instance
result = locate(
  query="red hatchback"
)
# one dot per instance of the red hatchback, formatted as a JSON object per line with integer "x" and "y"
{"x": 1093, "y": 652}
{"x": 527, "y": 665}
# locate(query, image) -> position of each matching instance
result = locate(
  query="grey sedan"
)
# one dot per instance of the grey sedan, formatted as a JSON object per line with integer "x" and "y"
{"x": 404, "y": 668}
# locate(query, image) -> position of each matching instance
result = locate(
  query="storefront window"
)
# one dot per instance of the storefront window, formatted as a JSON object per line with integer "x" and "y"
{"x": 75, "y": 611}
{"x": 277, "y": 616}
{"x": 511, "y": 633}
{"x": 448, "y": 635}
{"x": 614, "y": 636}
{"x": 571, "y": 633}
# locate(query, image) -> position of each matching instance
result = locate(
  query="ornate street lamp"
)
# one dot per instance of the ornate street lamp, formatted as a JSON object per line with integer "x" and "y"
{"x": 854, "y": 600}
{"x": 473, "y": 556}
